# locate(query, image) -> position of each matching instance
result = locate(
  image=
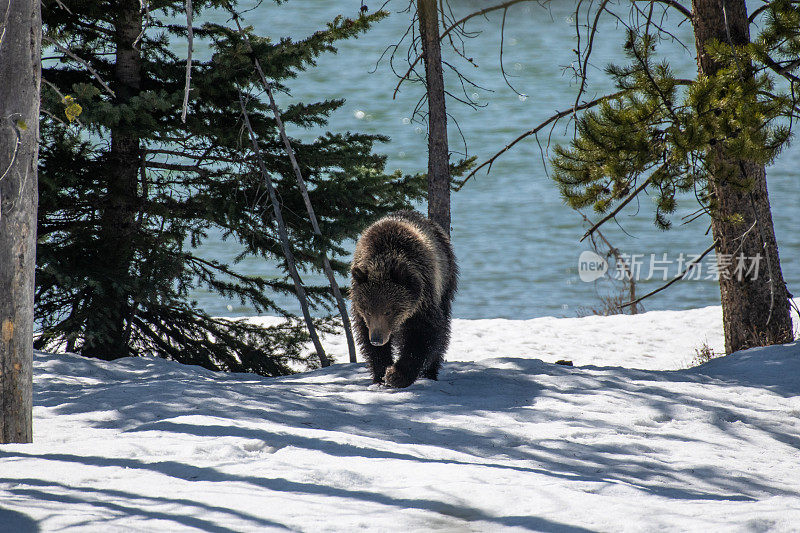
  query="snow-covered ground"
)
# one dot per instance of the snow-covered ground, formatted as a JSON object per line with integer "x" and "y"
{"x": 629, "y": 439}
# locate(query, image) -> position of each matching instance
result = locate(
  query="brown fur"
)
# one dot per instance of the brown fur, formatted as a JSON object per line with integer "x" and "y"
{"x": 404, "y": 277}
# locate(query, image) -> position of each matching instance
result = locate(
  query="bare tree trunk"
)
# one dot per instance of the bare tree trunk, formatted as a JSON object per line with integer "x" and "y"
{"x": 755, "y": 309}
{"x": 106, "y": 330}
{"x": 326, "y": 264}
{"x": 438, "y": 152}
{"x": 287, "y": 249}
{"x": 20, "y": 74}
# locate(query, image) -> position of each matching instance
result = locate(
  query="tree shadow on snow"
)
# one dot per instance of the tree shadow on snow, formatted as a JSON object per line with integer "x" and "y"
{"x": 121, "y": 503}
{"x": 191, "y": 473}
{"x": 17, "y": 522}
{"x": 450, "y": 414}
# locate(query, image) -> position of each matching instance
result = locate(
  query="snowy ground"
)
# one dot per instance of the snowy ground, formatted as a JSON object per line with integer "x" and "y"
{"x": 627, "y": 440}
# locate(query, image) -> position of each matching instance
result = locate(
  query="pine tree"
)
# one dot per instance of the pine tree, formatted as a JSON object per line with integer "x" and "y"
{"x": 712, "y": 136}
{"x": 128, "y": 190}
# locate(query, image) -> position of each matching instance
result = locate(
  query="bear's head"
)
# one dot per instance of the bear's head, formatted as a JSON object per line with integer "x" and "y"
{"x": 385, "y": 296}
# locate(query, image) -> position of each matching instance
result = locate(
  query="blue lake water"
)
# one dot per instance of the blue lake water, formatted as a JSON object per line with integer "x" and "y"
{"x": 517, "y": 244}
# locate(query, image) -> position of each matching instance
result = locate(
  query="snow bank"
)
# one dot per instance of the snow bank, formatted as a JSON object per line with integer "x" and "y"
{"x": 505, "y": 441}
{"x": 657, "y": 340}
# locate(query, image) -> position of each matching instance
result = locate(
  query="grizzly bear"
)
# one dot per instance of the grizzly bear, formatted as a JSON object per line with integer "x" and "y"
{"x": 404, "y": 277}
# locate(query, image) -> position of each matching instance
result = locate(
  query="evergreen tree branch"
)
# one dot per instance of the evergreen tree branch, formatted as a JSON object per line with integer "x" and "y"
{"x": 218, "y": 267}
{"x": 204, "y": 156}
{"x": 182, "y": 168}
{"x": 645, "y": 63}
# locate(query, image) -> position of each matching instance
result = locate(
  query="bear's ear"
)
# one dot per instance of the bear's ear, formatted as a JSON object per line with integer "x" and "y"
{"x": 359, "y": 275}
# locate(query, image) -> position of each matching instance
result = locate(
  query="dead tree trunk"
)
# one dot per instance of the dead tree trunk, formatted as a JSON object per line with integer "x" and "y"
{"x": 282, "y": 233}
{"x": 438, "y": 151}
{"x": 109, "y": 308}
{"x": 20, "y": 72}
{"x": 755, "y": 309}
{"x": 326, "y": 264}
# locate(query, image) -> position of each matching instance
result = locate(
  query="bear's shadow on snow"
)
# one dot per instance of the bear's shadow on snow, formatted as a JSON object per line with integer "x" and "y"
{"x": 338, "y": 400}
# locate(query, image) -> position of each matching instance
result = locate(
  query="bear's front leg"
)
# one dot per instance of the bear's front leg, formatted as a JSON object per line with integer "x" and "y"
{"x": 401, "y": 375}
{"x": 378, "y": 357}
{"x": 417, "y": 345}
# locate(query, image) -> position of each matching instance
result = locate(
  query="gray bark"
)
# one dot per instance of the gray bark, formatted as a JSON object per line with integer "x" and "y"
{"x": 326, "y": 264}
{"x": 20, "y": 72}
{"x": 284, "y": 237}
{"x": 438, "y": 151}
{"x": 755, "y": 310}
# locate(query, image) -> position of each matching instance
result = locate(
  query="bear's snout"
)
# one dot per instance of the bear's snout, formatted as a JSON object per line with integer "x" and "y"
{"x": 377, "y": 338}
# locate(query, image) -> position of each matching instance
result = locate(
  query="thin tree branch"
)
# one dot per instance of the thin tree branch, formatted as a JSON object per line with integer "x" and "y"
{"x": 619, "y": 208}
{"x": 83, "y": 62}
{"x": 62, "y": 6}
{"x": 757, "y": 12}
{"x": 182, "y": 168}
{"x": 190, "y": 35}
{"x": 686, "y": 12}
{"x": 145, "y": 8}
{"x": 589, "y": 46}
{"x": 504, "y": 5}
{"x": 502, "y": 43}
{"x": 559, "y": 115}
{"x": 618, "y": 258}
{"x": 673, "y": 280}
{"x": 63, "y": 99}
{"x": 783, "y": 70}
{"x": 326, "y": 264}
